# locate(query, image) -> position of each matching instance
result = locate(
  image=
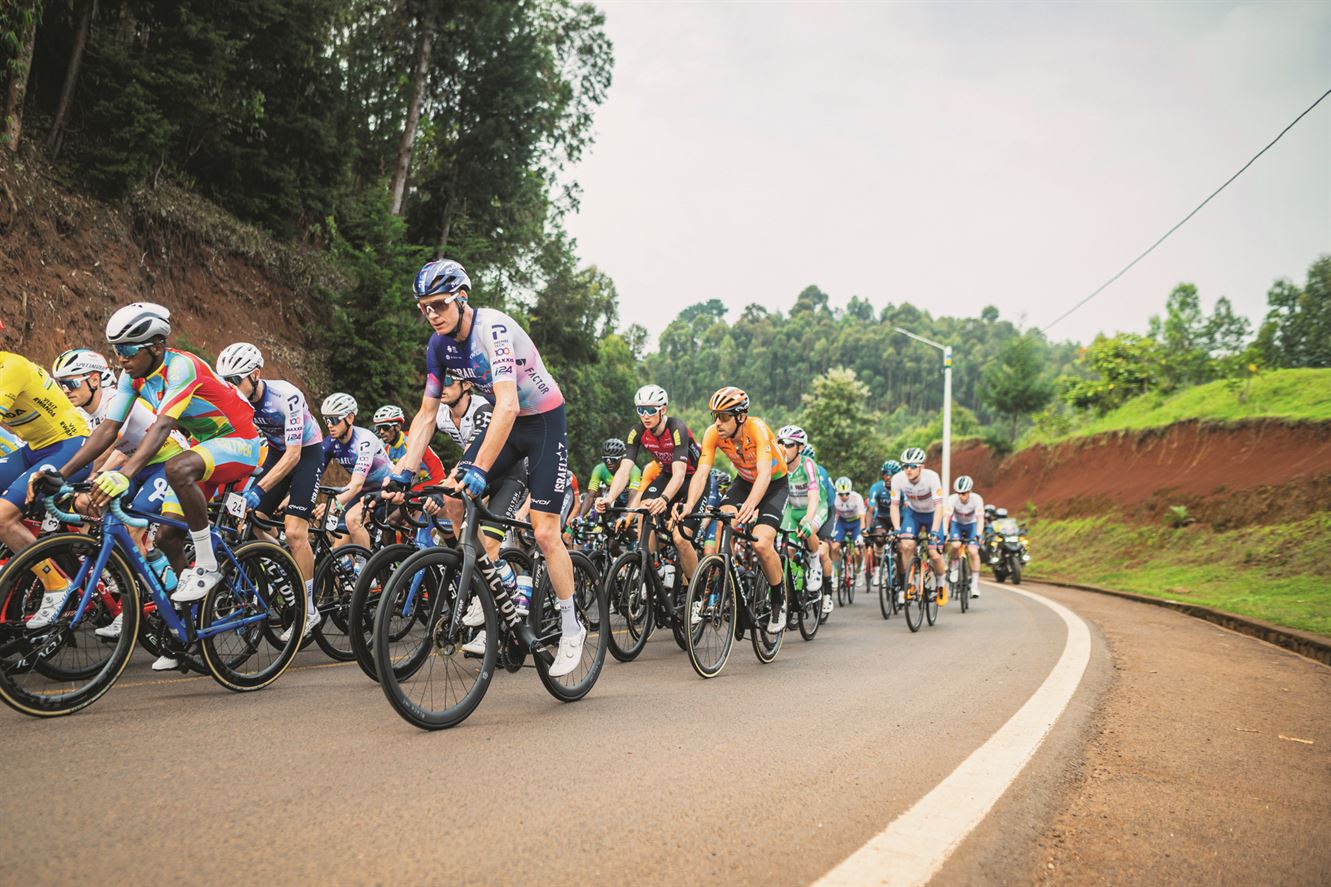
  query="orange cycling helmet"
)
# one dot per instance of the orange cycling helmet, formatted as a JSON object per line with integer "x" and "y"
{"x": 729, "y": 400}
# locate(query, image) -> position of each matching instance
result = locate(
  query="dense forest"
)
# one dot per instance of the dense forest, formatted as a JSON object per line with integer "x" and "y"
{"x": 374, "y": 134}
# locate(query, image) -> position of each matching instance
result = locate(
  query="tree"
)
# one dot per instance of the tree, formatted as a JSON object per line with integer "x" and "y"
{"x": 1120, "y": 368}
{"x": 1184, "y": 336}
{"x": 425, "y": 24}
{"x": 1017, "y": 385}
{"x": 86, "y": 10}
{"x": 18, "y": 36}
{"x": 840, "y": 424}
{"x": 1297, "y": 328}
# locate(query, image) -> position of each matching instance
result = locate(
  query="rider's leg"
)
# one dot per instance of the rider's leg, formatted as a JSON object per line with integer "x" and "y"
{"x": 356, "y": 532}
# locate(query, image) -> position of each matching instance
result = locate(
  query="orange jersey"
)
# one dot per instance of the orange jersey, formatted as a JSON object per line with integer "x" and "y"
{"x": 649, "y": 474}
{"x": 754, "y": 443}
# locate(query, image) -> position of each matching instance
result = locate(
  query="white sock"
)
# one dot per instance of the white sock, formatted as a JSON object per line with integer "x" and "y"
{"x": 204, "y": 558}
{"x": 309, "y": 596}
{"x": 568, "y": 618}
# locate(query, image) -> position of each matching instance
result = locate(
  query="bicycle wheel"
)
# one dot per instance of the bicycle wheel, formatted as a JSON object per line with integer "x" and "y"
{"x": 838, "y": 579}
{"x": 930, "y": 595}
{"x": 810, "y": 611}
{"x": 765, "y": 644}
{"x": 631, "y": 618}
{"x": 334, "y": 583}
{"x": 964, "y": 577}
{"x": 914, "y": 595}
{"x": 232, "y": 624}
{"x": 64, "y": 667}
{"x": 852, "y": 576}
{"x": 365, "y": 600}
{"x": 593, "y": 609}
{"x": 886, "y": 602}
{"x": 425, "y": 675}
{"x": 713, "y": 594}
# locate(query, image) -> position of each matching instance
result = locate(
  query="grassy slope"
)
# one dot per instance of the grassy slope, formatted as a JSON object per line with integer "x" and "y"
{"x": 1276, "y": 573}
{"x": 1285, "y": 394}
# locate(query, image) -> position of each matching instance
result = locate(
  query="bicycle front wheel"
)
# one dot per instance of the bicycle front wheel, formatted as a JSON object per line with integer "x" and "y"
{"x": 64, "y": 667}
{"x": 334, "y": 583}
{"x": 914, "y": 595}
{"x": 365, "y": 601}
{"x": 234, "y": 634}
{"x": 631, "y": 618}
{"x": 713, "y": 597}
{"x": 593, "y": 609}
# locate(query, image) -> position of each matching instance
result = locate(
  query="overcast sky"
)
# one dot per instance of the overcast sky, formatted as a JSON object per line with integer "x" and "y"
{"x": 956, "y": 156}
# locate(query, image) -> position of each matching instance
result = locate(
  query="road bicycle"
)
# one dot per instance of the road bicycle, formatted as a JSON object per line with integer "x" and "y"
{"x": 961, "y": 585}
{"x": 887, "y": 579}
{"x": 643, "y": 588}
{"x": 806, "y": 605}
{"x": 847, "y": 574}
{"x": 921, "y": 593}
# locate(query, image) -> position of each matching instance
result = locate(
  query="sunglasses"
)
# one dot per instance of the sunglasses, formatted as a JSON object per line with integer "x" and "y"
{"x": 233, "y": 380}
{"x": 387, "y": 426}
{"x": 128, "y": 350}
{"x": 436, "y": 307}
{"x": 648, "y": 411}
{"x": 332, "y": 421}
{"x": 843, "y": 495}
{"x": 70, "y": 384}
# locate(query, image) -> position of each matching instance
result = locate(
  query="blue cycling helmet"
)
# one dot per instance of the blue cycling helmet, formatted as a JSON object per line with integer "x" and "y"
{"x": 442, "y": 276}
{"x": 891, "y": 467}
{"x": 809, "y": 451}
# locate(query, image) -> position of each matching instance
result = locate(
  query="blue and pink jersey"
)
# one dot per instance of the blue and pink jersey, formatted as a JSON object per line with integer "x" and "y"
{"x": 283, "y": 417}
{"x": 362, "y": 454}
{"x": 496, "y": 350}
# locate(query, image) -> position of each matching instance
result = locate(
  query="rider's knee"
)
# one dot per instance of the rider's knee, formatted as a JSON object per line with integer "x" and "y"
{"x": 297, "y": 530}
{"x": 548, "y": 535}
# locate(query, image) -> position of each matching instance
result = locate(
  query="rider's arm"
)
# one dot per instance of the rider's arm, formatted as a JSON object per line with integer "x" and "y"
{"x": 285, "y": 464}
{"x": 618, "y": 483}
{"x": 938, "y": 509}
{"x": 894, "y": 510}
{"x": 699, "y": 484}
{"x": 762, "y": 472}
{"x": 352, "y": 489}
{"x": 501, "y": 423}
{"x": 815, "y": 488}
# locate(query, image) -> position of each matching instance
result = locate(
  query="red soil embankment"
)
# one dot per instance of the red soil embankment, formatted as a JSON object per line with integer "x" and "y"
{"x": 1228, "y": 475}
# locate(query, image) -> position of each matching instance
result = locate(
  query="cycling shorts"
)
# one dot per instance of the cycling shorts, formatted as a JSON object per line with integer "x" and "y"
{"x": 690, "y": 526}
{"x": 846, "y": 528}
{"x": 227, "y": 460}
{"x": 150, "y": 493}
{"x": 825, "y": 531}
{"x": 300, "y": 484}
{"x": 912, "y": 520}
{"x": 506, "y": 497}
{"x": 791, "y": 518}
{"x": 542, "y": 440}
{"x": 18, "y": 466}
{"x": 963, "y": 533}
{"x": 773, "y": 502}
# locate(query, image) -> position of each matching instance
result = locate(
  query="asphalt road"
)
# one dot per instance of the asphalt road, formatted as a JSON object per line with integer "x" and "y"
{"x": 768, "y": 774}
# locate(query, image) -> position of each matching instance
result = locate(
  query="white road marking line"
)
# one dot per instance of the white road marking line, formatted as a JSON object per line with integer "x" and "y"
{"x": 915, "y": 845}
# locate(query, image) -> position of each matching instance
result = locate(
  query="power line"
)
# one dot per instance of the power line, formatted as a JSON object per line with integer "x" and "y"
{"x": 1165, "y": 236}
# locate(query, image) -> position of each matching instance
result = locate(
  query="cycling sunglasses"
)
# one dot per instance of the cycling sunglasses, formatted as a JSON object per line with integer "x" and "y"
{"x": 386, "y": 426}
{"x": 70, "y": 384}
{"x": 331, "y": 421}
{"x": 128, "y": 350}
{"x": 648, "y": 411}
{"x": 437, "y": 307}
{"x": 233, "y": 380}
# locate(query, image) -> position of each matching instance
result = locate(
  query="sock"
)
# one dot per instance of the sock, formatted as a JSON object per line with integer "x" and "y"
{"x": 309, "y": 596}
{"x": 568, "y": 617}
{"x": 52, "y": 577}
{"x": 778, "y": 596}
{"x": 204, "y": 558}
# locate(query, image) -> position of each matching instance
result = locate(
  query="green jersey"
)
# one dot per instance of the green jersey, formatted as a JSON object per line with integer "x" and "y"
{"x": 602, "y": 477}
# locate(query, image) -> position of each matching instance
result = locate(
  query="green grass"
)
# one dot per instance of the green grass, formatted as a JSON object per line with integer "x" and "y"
{"x": 1276, "y": 573}
{"x": 1281, "y": 394}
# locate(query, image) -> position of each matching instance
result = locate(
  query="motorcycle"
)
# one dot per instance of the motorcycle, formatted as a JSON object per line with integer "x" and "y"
{"x": 1008, "y": 550}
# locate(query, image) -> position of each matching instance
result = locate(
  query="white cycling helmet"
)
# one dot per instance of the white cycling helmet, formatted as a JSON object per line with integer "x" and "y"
{"x": 963, "y": 484}
{"x": 239, "y": 359}
{"x": 389, "y": 413}
{"x": 138, "y": 323}
{"x": 338, "y": 405}
{"x": 792, "y": 434}
{"x": 651, "y": 396}
{"x": 912, "y": 457}
{"x": 843, "y": 484}
{"x": 79, "y": 362}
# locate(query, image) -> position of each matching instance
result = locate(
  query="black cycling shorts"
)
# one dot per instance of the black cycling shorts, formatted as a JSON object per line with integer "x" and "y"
{"x": 693, "y": 526}
{"x": 506, "y": 496}
{"x": 543, "y": 441}
{"x": 300, "y": 483}
{"x": 772, "y": 504}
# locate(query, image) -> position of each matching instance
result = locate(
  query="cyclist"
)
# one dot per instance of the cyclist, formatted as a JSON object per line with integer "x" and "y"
{"x": 389, "y": 421}
{"x": 675, "y": 454}
{"x": 965, "y": 515}
{"x": 918, "y": 502}
{"x": 849, "y": 508}
{"x": 295, "y": 459}
{"x": 185, "y": 394}
{"x": 758, "y": 495}
{"x": 806, "y": 507}
{"x": 718, "y": 482}
{"x": 603, "y": 475}
{"x": 528, "y": 421}
{"x": 362, "y": 454}
{"x": 35, "y": 409}
{"x": 879, "y": 520}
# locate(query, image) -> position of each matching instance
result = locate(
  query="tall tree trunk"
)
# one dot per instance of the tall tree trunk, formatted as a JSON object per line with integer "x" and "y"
{"x": 413, "y": 114}
{"x": 447, "y": 225}
{"x": 18, "y": 81}
{"x": 71, "y": 75}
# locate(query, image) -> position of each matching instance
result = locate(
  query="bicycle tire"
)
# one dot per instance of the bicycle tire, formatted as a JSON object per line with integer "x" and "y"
{"x": 18, "y": 655}
{"x": 631, "y": 614}
{"x": 852, "y": 578}
{"x": 272, "y": 575}
{"x": 710, "y": 642}
{"x": 811, "y": 615}
{"x": 365, "y": 600}
{"x": 930, "y": 596}
{"x": 964, "y": 584}
{"x": 885, "y": 602}
{"x": 334, "y": 583}
{"x": 914, "y": 603}
{"x": 593, "y": 611}
{"x": 765, "y": 644}
{"x": 400, "y": 663}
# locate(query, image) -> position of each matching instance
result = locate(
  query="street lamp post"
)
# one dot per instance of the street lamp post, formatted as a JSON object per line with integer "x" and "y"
{"x": 947, "y": 404}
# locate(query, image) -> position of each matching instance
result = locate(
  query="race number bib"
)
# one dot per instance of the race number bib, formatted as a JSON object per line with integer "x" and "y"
{"x": 234, "y": 504}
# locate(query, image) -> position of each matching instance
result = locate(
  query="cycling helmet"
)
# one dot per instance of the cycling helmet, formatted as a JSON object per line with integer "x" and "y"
{"x": 963, "y": 484}
{"x": 389, "y": 413}
{"x": 613, "y": 450}
{"x": 843, "y": 485}
{"x": 729, "y": 400}
{"x": 809, "y": 451}
{"x": 239, "y": 359}
{"x": 79, "y": 362}
{"x": 441, "y": 276}
{"x": 891, "y": 467}
{"x": 1000, "y": 512}
{"x": 138, "y": 323}
{"x": 339, "y": 405}
{"x": 651, "y": 396}
{"x": 912, "y": 457}
{"x": 792, "y": 434}
{"x": 989, "y": 511}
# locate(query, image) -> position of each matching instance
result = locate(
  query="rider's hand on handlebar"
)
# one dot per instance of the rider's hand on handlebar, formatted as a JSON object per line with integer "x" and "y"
{"x": 746, "y": 514}
{"x": 601, "y": 504}
{"x": 47, "y": 482}
{"x": 655, "y": 506}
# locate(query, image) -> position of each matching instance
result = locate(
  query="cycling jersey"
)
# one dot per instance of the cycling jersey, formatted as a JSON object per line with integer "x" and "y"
{"x": 185, "y": 388}
{"x": 880, "y": 497}
{"x": 282, "y": 416}
{"x": 431, "y": 469}
{"x": 850, "y": 508}
{"x": 475, "y": 419}
{"x": 752, "y": 442}
{"x": 673, "y": 443}
{"x": 967, "y": 512}
{"x": 32, "y": 405}
{"x": 363, "y": 454}
{"x": 9, "y": 442}
{"x": 602, "y": 477}
{"x": 496, "y": 350}
{"x": 803, "y": 483}
{"x": 924, "y": 495}
{"x": 134, "y": 428}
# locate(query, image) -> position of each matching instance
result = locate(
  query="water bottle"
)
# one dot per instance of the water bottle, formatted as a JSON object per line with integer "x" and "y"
{"x": 667, "y": 574}
{"x": 522, "y": 599}
{"x": 507, "y": 576}
{"x": 796, "y": 574}
{"x": 161, "y": 567}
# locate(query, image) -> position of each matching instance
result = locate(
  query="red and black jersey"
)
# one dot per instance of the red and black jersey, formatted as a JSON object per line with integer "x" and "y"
{"x": 673, "y": 443}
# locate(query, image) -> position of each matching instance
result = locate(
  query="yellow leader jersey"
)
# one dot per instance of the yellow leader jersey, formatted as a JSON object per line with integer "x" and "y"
{"x": 32, "y": 405}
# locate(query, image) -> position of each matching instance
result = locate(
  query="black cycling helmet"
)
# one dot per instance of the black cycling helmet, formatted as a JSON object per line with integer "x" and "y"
{"x": 613, "y": 450}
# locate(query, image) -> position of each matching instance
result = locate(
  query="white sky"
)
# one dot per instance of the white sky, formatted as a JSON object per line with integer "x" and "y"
{"x": 957, "y": 155}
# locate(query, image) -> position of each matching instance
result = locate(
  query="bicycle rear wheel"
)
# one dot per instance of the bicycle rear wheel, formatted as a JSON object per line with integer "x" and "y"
{"x": 930, "y": 595}
{"x": 589, "y": 600}
{"x": 630, "y": 620}
{"x": 713, "y": 595}
{"x": 964, "y": 583}
{"x": 64, "y": 667}
{"x": 852, "y": 574}
{"x": 237, "y": 648}
{"x": 365, "y": 601}
{"x": 425, "y": 675}
{"x": 334, "y": 583}
{"x": 914, "y": 595}
{"x": 765, "y": 644}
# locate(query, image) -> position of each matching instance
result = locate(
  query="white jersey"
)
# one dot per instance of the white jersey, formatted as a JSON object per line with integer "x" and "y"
{"x": 924, "y": 495}
{"x": 967, "y": 512}
{"x": 141, "y": 418}
{"x": 475, "y": 420}
{"x": 850, "y": 508}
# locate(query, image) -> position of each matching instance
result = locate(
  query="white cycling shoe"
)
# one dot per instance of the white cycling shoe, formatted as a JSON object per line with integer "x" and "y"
{"x": 311, "y": 620}
{"x": 195, "y": 583}
{"x": 475, "y": 646}
{"x": 111, "y": 632}
{"x": 570, "y": 653}
{"x": 165, "y": 663}
{"x": 696, "y": 617}
{"x": 778, "y": 620}
{"x": 827, "y": 605}
{"x": 474, "y": 617}
{"x": 815, "y": 575}
{"x": 975, "y": 589}
{"x": 52, "y": 603}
